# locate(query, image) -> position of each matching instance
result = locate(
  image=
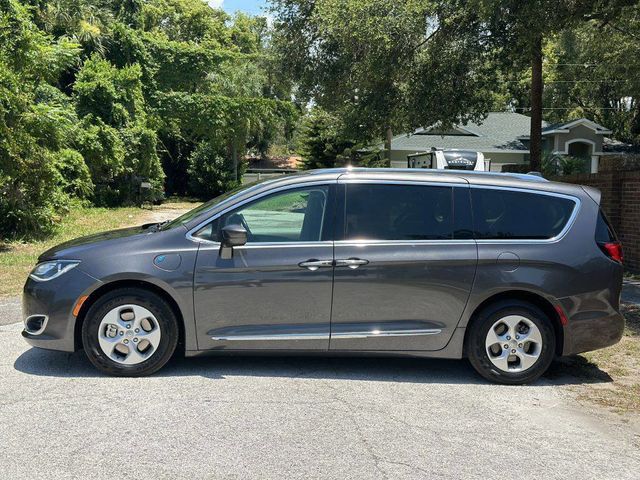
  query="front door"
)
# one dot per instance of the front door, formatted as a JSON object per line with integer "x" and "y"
{"x": 275, "y": 293}
{"x": 404, "y": 266}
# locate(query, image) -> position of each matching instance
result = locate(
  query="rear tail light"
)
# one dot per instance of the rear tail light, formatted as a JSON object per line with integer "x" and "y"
{"x": 613, "y": 250}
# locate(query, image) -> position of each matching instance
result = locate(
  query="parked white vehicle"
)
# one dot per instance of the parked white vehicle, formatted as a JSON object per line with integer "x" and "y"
{"x": 450, "y": 159}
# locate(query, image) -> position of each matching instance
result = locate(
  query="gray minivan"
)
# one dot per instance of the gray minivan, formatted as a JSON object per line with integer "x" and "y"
{"x": 506, "y": 270}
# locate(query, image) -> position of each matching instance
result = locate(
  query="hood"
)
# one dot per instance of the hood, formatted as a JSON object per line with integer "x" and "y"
{"x": 75, "y": 249}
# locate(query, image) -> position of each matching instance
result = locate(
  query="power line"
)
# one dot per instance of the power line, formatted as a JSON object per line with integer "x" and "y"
{"x": 585, "y": 81}
{"x": 527, "y": 109}
{"x": 587, "y": 64}
{"x": 568, "y": 81}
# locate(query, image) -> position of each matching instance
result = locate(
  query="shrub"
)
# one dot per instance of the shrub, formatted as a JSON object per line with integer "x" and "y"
{"x": 74, "y": 173}
{"x": 210, "y": 171}
{"x": 321, "y": 143}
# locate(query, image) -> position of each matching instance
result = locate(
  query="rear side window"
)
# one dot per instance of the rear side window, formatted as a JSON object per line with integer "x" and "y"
{"x": 604, "y": 230}
{"x": 398, "y": 212}
{"x": 508, "y": 214}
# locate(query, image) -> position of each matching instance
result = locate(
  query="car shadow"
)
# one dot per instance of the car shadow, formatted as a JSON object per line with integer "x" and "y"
{"x": 385, "y": 369}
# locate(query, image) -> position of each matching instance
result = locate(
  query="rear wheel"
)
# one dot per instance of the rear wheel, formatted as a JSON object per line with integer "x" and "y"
{"x": 511, "y": 342}
{"x": 130, "y": 332}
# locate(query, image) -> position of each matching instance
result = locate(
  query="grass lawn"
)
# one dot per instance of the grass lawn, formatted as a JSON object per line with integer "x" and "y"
{"x": 610, "y": 377}
{"x": 17, "y": 258}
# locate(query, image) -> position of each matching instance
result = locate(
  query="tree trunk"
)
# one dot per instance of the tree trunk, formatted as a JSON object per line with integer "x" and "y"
{"x": 387, "y": 143}
{"x": 234, "y": 156}
{"x": 535, "y": 134}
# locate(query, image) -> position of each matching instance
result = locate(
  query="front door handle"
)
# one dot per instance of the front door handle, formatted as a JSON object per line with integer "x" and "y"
{"x": 352, "y": 263}
{"x": 314, "y": 264}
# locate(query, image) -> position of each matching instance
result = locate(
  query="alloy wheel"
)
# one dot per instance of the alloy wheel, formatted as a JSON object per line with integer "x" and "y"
{"x": 129, "y": 334}
{"x": 513, "y": 343}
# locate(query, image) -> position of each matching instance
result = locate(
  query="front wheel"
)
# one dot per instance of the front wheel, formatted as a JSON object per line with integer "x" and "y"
{"x": 130, "y": 332}
{"x": 511, "y": 342}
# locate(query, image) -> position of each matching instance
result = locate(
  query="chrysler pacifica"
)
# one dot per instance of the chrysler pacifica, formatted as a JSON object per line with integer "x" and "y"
{"x": 506, "y": 270}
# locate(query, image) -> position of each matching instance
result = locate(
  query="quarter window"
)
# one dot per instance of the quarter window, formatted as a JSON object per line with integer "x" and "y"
{"x": 507, "y": 214}
{"x": 295, "y": 215}
{"x": 398, "y": 212}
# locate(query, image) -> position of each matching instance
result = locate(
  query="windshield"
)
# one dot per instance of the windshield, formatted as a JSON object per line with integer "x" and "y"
{"x": 191, "y": 214}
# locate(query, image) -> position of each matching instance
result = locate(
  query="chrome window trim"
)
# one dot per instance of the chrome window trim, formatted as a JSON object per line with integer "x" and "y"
{"x": 524, "y": 241}
{"x": 408, "y": 243}
{"x": 306, "y": 244}
{"x": 189, "y": 234}
{"x": 345, "y": 180}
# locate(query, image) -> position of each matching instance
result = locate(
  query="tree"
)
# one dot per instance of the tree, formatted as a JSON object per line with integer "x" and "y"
{"x": 34, "y": 124}
{"x": 116, "y": 140}
{"x": 321, "y": 143}
{"x": 384, "y": 65}
{"x": 518, "y": 30}
{"x": 592, "y": 73}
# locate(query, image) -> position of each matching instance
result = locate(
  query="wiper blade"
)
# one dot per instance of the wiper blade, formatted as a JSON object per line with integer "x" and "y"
{"x": 155, "y": 227}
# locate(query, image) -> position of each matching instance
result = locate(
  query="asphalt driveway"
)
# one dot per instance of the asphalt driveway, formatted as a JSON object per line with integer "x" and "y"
{"x": 295, "y": 418}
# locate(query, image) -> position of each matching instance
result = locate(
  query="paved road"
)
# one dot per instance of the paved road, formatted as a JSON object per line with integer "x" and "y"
{"x": 278, "y": 418}
{"x": 9, "y": 310}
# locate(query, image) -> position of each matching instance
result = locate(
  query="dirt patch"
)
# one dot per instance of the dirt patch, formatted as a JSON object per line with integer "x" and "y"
{"x": 167, "y": 211}
{"x": 609, "y": 377}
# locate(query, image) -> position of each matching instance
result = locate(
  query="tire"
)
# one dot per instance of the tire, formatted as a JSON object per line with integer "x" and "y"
{"x": 496, "y": 362}
{"x": 151, "y": 317}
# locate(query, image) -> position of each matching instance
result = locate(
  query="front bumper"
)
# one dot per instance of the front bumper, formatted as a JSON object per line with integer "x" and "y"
{"x": 55, "y": 299}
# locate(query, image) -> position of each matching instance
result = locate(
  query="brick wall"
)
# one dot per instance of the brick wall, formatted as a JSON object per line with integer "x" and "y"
{"x": 621, "y": 203}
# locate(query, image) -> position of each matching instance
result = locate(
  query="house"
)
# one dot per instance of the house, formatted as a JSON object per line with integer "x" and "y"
{"x": 503, "y": 138}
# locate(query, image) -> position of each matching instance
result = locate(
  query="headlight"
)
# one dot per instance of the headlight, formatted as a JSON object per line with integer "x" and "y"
{"x": 46, "y": 271}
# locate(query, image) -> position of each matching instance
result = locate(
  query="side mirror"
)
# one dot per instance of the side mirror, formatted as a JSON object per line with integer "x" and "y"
{"x": 232, "y": 236}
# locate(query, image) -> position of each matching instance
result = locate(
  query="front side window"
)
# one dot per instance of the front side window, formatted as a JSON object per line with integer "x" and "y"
{"x": 398, "y": 212}
{"x": 296, "y": 215}
{"x": 508, "y": 214}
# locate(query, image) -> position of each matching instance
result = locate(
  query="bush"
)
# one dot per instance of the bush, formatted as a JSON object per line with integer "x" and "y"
{"x": 29, "y": 202}
{"x": 321, "y": 142}
{"x": 102, "y": 149}
{"x": 553, "y": 165}
{"x": 210, "y": 171}
{"x": 142, "y": 163}
{"x": 74, "y": 173}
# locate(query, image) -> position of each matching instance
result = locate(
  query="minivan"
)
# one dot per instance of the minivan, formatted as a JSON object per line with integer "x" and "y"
{"x": 507, "y": 270}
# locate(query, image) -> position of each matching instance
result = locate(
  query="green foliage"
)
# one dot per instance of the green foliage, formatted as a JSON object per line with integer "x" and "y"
{"x": 210, "y": 170}
{"x": 98, "y": 96}
{"x": 142, "y": 161}
{"x": 114, "y": 95}
{"x": 321, "y": 142}
{"x": 604, "y": 61}
{"x": 32, "y": 126}
{"x": 380, "y": 64}
{"x": 553, "y": 165}
{"x": 75, "y": 176}
{"x": 102, "y": 148}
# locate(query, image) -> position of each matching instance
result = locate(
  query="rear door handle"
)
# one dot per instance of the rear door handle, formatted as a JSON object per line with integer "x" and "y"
{"x": 314, "y": 264}
{"x": 352, "y": 263}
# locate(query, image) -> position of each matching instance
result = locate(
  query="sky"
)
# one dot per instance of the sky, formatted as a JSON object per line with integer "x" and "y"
{"x": 248, "y": 6}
